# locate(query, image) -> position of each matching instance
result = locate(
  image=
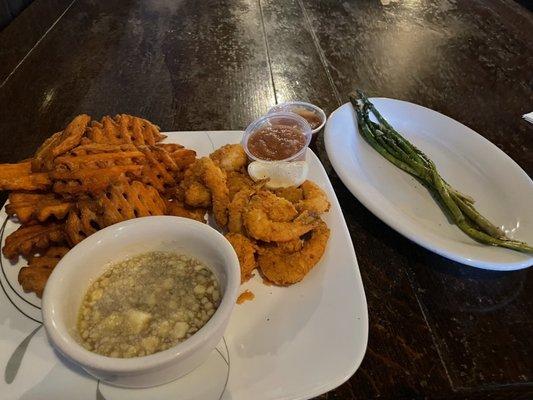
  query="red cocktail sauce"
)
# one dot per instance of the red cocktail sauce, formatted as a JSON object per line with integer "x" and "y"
{"x": 276, "y": 142}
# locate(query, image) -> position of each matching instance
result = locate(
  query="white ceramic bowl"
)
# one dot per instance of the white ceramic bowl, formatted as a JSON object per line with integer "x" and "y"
{"x": 291, "y": 106}
{"x": 88, "y": 260}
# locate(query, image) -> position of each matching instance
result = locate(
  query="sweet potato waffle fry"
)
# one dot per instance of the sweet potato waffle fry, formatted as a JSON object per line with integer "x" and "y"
{"x": 30, "y": 239}
{"x": 33, "y": 277}
{"x": 20, "y": 177}
{"x": 119, "y": 202}
{"x": 160, "y": 169}
{"x": 83, "y": 221}
{"x": 90, "y": 181}
{"x": 124, "y": 129}
{"x": 60, "y": 143}
{"x": 123, "y": 201}
{"x": 96, "y": 156}
{"x": 37, "y": 206}
{"x": 90, "y": 175}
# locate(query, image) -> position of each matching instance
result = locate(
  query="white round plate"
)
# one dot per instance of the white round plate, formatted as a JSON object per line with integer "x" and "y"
{"x": 469, "y": 162}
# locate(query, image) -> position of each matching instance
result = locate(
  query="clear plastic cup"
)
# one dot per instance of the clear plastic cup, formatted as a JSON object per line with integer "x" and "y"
{"x": 279, "y": 119}
{"x": 296, "y": 106}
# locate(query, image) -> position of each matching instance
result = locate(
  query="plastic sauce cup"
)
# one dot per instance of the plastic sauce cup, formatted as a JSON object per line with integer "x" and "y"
{"x": 279, "y": 119}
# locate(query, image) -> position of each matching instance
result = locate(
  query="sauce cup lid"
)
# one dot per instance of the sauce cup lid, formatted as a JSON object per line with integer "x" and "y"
{"x": 291, "y": 105}
{"x": 275, "y": 119}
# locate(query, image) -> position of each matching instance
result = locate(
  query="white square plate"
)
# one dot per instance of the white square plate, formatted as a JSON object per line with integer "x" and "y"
{"x": 288, "y": 343}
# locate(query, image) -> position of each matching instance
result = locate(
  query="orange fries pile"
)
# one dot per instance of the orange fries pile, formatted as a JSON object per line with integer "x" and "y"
{"x": 90, "y": 175}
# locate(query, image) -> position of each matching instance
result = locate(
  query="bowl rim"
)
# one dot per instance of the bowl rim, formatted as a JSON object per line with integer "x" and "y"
{"x": 285, "y": 106}
{"x": 67, "y": 344}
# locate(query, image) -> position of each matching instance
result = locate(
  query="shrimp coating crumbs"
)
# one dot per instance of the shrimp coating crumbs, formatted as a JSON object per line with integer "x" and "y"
{"x": 245, "y": 296}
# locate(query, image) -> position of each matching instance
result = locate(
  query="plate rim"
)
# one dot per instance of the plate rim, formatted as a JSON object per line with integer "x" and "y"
{"x": 357, "y": 188}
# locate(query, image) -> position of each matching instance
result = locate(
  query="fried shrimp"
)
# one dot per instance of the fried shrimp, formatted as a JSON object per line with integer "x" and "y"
{"x": 192, "y": 190}
{"x": 240, "y": 202}
{"x": 238, "y": 181}
{"x": 197, "y": 195}
{"x": 277, "y": 208}
{"x": 270, "y": 218}
{"x": 289, "y": 247}
{"x": 286, "y": 268}
{"x": 230, "y": 157}
{"x": 179, "y": 209}
{"x": 292, "y": 193}
{"x": 215, "y": 180}
{"x": 236, "y": 208}
{"x": 245, "y": 249}
{"x": 315, "y": 200}
{"x": 204, "y": 183}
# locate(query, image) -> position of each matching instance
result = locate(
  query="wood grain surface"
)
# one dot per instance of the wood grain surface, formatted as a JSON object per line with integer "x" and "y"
{"x": 438, "y": 329}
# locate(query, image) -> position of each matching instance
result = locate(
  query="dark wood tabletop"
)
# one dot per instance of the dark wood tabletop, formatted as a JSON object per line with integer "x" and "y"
{"x": 438, "y": 329}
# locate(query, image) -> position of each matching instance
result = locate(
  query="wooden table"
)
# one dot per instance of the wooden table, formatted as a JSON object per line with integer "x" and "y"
{"x": 438, "y": 329}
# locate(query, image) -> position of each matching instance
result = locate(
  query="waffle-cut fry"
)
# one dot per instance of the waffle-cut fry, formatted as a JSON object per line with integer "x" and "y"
{"x": 160, "y": 170}
{"x": 119, "y": 202}
{"x": 33, "y": 277}
{"x": 91, "y": 181}
{"x": 20, "y": 177}
{"x": 46, "y": 260}
{"x": 124, "y": 200}
{"x": 30, "y": 239}
{"x": 59, "y": 143}
{"x": 99, "y": 148}
{"x": 96, "y": 155}
{"x": 124, "y": 128}
{"x": 83, "y": 221}
{"x": 37, "y": 206}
